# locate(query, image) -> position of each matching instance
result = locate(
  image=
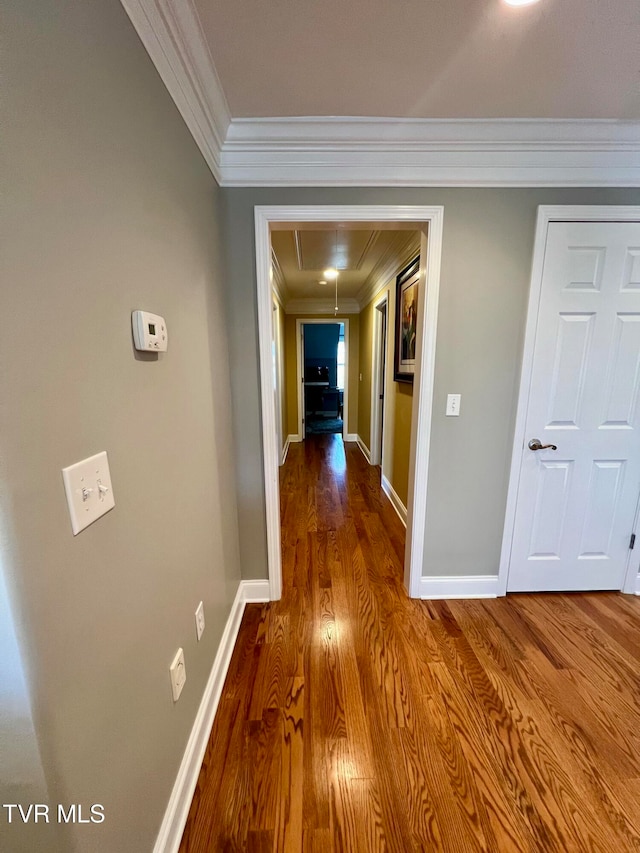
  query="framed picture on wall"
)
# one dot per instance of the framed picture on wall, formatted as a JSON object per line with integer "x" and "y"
{"x": 406, "y": 322}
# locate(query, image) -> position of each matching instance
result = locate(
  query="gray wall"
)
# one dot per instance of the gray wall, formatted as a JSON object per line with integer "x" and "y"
{"x": 111, "y": 208}
{"x": 487, "y": 250}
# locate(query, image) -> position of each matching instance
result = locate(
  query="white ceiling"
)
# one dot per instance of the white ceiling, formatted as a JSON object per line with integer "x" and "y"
{"x": 426, "y": 58}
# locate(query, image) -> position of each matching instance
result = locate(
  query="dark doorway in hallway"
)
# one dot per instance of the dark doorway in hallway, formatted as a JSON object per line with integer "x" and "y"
{"x": 324, "y": 368}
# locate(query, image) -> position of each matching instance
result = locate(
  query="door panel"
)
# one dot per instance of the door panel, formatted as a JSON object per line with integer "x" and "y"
{"x": 576, "y": 505}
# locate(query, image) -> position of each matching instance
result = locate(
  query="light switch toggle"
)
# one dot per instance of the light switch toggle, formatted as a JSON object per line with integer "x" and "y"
{"x": 102, "y": 490}
{"x": 86, "y": 494}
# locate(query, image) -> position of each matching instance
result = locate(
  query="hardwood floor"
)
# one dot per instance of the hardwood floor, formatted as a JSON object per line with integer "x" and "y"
{"x": 356, "y": 719}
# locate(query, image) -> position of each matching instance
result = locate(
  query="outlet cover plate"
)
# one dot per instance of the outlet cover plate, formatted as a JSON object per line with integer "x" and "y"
{"x": 200, "y": 623}
{"x": 89, "y": 491}
{"x": 178, "y": 674}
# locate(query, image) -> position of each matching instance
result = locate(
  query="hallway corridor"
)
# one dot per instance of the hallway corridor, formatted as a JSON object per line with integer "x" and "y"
{"x": 356, "y": 719}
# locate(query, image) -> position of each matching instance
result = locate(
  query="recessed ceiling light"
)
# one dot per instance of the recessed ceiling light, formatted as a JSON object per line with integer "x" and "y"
{"x": 322, "y": 281}
{"x": 331, "y": 273}
{"x": 520, "y": 2}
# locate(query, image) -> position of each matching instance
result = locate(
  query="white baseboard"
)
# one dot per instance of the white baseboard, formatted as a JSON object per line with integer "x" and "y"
{"x": 467, "y": 586}
{"x": 175, "y": 817}
{"x": 396, "y": 503}
{"x": 292, "y": 439}
{"x": 365, "y": 450}
{"x": 255, "y": 592}
{"x": 350, "y": 436}
{"x": 285, "y": 450}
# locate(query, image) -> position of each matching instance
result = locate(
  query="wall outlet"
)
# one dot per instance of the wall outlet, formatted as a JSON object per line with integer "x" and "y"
{"x": 178, "y": 674}
{"x": 200, "y": 620}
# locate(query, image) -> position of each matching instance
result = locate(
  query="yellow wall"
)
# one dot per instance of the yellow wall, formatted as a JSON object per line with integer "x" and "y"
{"x": 398, "y": 398}
{"x": 395, "y": 461}
{"x": 291, "y": 379}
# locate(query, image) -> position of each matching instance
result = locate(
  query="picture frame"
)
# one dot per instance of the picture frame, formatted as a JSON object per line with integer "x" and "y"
{"x": 407, "y": 283}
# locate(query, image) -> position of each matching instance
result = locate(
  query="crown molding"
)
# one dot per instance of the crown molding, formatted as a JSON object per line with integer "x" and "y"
{"x": 172, "y": 34}
{"x": 406, "y": 248}
{"x": 322, "y": 306}
{"x": 360, "y": 151}
{"x": 333, "y": 151}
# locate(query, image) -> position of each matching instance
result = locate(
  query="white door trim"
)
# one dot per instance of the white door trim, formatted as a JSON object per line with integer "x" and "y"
{"x": 376, "y": 374}
{"x": 333, "y": 321}
{"x": 546, "y": 215}
{"x": 431, "y": 250}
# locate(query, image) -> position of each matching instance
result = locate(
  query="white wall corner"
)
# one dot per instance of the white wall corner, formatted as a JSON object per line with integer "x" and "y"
{"x": 396, "y": 503}
{"x": 365, "y": 450}
{"x": 175, "y": 817}
{"x": 468, "y": 586}
{"x": 172, "y": 34}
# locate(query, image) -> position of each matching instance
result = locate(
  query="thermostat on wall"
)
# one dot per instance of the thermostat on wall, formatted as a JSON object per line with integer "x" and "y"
{"x": 149, "y": 332}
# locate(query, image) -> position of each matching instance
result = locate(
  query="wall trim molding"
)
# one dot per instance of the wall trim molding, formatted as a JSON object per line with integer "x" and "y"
{"x": 172, "y": 34}
{"x": 356, "y": 151}
{"x": 363, "y": 447}
{"x": 177, "y": 811}
{"x": 285, "y": 450}
{"x": 322, "y": 306}
{"x": 465, "y": 586}
{"x": 350, "y": 436}
{"x": 379, "y": 151}
{"x": 255, "y": 591}
{"x": 396, "y": 503}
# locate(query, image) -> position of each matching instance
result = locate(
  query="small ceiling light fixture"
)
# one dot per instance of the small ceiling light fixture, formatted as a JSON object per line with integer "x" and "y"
{"x": 322, "y": 281}
{"x": 520, "y": 2}
{"x": 331, "y": 273}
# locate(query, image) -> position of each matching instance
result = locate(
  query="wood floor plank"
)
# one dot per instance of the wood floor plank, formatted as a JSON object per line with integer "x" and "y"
{"x": 356, "y": 719}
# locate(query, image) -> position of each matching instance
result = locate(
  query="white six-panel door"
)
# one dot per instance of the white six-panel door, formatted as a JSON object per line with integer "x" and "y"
{"x": 576, "y": 505}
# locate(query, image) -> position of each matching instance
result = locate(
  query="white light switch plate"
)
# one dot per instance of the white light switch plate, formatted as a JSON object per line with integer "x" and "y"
{"x": 89, "y": 491}
{"x": 453, "y": 405}
{"x": 178, "y": 675}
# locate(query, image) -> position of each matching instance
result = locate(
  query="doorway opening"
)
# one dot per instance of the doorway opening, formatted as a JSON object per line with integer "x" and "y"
{"x": 379, "y": 379}
{"x": 426, "y": 221}
{"x": 322, "y": 370}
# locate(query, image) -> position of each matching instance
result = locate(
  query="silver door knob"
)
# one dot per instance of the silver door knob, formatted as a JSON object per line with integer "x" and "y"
{"x": 534, "y": 444}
